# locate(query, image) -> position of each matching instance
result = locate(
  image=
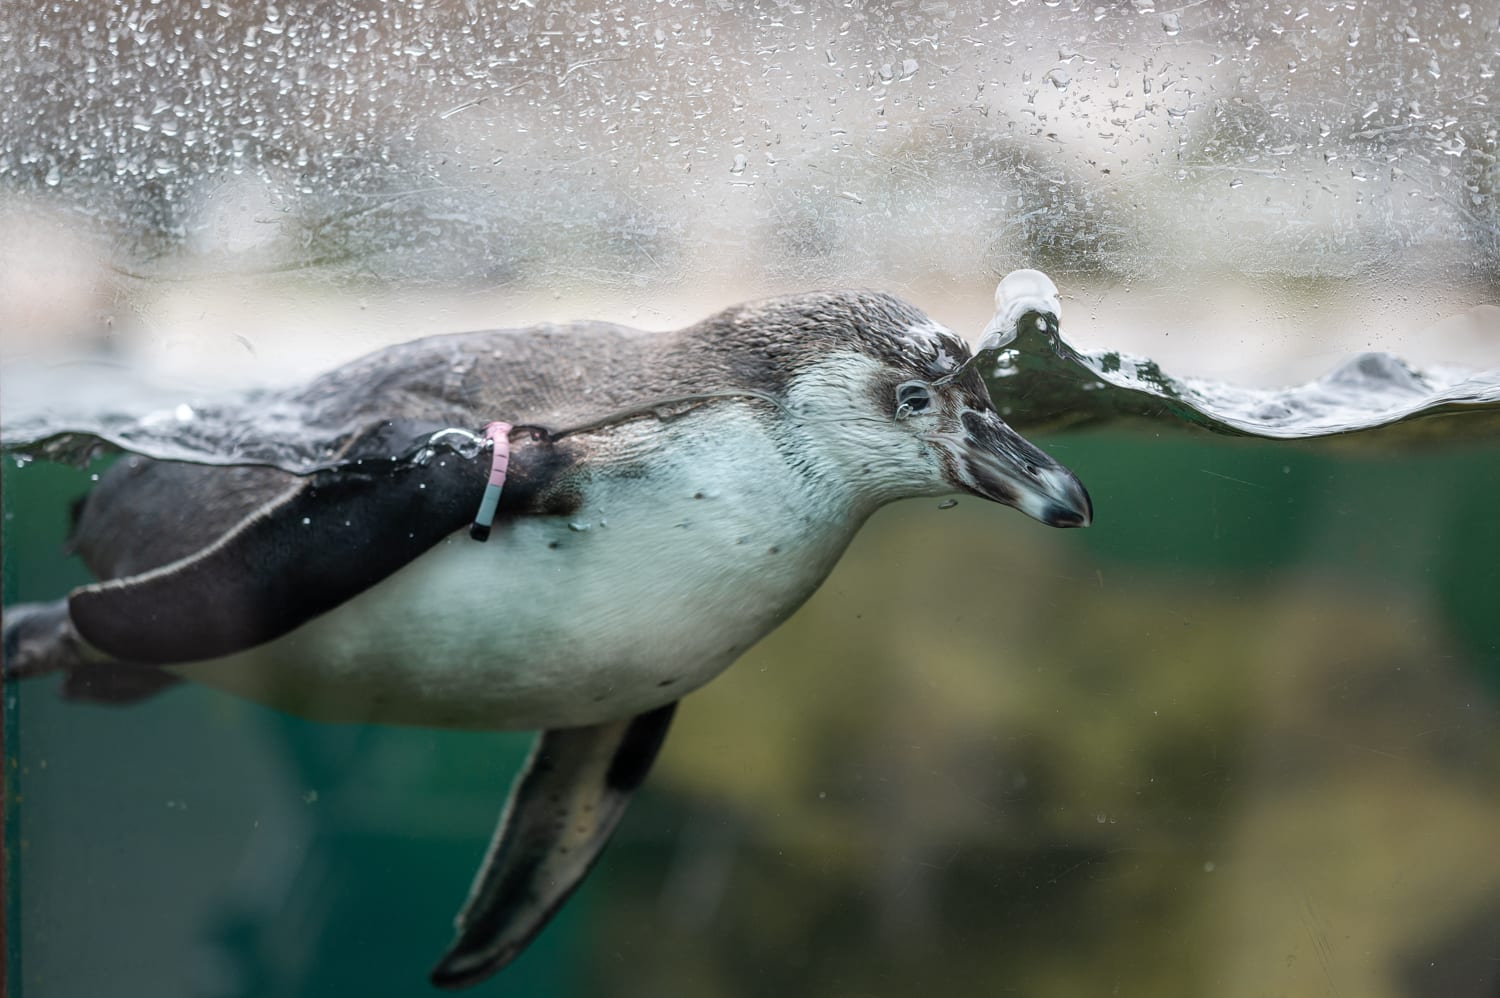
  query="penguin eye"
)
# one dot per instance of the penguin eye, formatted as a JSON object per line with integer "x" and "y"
{"x": 912, "y": 397}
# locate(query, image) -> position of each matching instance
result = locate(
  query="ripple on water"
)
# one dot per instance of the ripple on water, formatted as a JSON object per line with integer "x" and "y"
{"x": 1044, "y": 382}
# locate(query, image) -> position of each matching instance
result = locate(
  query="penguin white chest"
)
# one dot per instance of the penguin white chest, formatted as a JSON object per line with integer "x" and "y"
{"x": 672, "y": 566}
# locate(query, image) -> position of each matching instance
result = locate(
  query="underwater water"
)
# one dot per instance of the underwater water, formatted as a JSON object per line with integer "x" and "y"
{"x": 1243, "y": 735}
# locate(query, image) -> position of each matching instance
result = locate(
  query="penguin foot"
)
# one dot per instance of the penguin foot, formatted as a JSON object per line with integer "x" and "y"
{"x": 38, "y": 639}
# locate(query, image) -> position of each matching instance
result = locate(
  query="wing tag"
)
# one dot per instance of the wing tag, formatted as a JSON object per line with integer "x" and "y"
{"x": 498, "y": 435}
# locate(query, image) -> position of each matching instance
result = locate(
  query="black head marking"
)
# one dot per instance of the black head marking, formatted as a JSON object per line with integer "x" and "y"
{"x": 764, "y": 344}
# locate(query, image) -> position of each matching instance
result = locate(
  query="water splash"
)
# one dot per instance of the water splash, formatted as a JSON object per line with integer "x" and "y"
{"x": 1041, "y": 380}
{"x": 1048, "y": 383}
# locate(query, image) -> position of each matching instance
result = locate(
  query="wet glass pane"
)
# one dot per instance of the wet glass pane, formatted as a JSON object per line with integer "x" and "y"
{"x": 1241, "y": 736}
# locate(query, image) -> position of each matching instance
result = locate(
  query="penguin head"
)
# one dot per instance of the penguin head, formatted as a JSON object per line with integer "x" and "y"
{"x": 892, "y": 405}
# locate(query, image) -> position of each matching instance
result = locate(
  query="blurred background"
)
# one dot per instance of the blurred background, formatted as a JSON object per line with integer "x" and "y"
{"x": 1241, "y": 737}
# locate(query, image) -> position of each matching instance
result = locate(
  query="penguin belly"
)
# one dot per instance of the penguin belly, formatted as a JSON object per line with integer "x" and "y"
{"x": 648, "y": 590}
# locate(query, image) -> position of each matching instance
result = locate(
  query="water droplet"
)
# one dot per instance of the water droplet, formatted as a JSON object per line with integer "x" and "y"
{"x": 1463, "y": 12}
{"x": 1236, "y": 183}
{"x": 740, "y": 162}
{"x": 578, "y": 526}
{"x": 1101, "y": 818}
{"x": 1058, "y": 77}
{"x": 947, "y": 504}
{"x": 54, "y": 176}
{"x": 183, "y": 413}
{"x": 851, "y": 196}
{"x": 1353, "y": 38}
{"x": 1171, "y": 23}
{"x": 311, "y": 797}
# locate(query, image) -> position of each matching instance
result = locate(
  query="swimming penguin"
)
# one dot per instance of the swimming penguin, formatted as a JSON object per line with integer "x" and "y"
{"x": 650, "y": 505}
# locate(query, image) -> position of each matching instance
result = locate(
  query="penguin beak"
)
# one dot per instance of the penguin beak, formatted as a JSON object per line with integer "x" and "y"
{"x": 995, "y": 462}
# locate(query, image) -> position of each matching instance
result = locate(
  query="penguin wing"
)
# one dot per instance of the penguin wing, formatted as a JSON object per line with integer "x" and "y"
{"x": 203, "y": 561}
{"x": 561, "y": 812}
{"x": 322, "y": 540}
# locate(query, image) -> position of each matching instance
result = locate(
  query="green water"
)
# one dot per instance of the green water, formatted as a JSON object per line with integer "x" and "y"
{"x": 1242, "y": 736}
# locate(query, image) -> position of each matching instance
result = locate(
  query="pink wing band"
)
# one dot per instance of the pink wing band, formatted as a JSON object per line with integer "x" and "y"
{"x": 498, "y": 434}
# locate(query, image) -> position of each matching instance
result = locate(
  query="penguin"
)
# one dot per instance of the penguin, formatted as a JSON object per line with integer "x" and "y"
{"x": 564, "y": 528}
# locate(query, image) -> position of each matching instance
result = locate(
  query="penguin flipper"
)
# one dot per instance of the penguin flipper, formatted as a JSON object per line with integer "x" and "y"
{"x": 562, "y": 809}
{"x": 327, "y": 538}
{"x": 323, "y": 541}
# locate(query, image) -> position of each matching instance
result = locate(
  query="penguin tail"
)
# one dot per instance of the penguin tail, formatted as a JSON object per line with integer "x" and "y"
{"x": 39, "y": 639}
